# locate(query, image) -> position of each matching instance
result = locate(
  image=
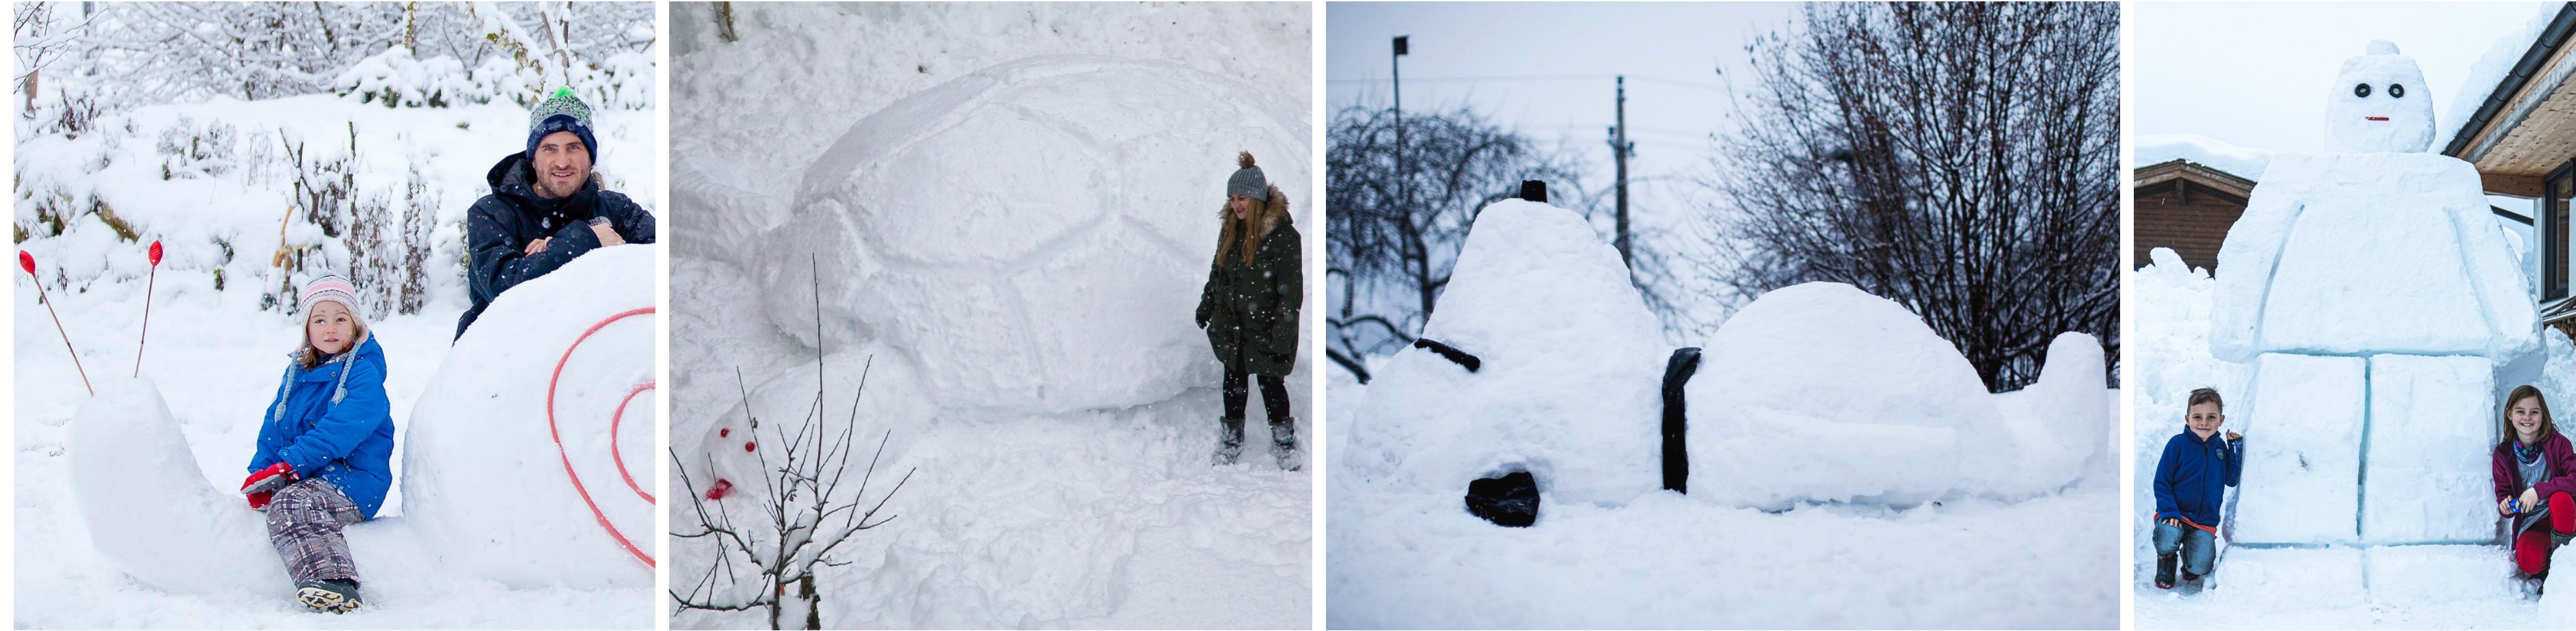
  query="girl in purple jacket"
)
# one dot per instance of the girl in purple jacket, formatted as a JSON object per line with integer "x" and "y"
{"x": 2535, "y": 473}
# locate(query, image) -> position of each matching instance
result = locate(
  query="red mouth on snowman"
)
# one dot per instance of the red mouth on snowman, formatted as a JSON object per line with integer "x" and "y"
{"x": 2376, "y": 118}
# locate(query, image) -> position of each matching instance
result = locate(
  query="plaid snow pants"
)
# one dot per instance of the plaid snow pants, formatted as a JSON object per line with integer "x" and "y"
{"x": 304, "y": 522}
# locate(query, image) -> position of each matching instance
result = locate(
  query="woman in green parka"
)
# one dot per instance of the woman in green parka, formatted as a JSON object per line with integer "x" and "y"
{"x": 1249, "y": 309}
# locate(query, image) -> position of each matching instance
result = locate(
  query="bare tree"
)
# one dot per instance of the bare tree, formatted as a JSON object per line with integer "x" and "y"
{"x": 804, "y": 513}
{"x": 1397, "y": 233}
{"x": 1959, "y": 158}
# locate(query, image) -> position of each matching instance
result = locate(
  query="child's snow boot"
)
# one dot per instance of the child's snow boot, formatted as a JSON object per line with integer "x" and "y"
{"x": 332, "y": 595}
{"x": 1283, "y": 444}
{"x": 2165, "y": 571}
{"x": 1229, "y": 441}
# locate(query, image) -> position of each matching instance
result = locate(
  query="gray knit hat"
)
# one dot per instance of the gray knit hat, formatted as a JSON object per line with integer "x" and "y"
{"x": 1247, "y": 181}
{"x": 562, "y": 112}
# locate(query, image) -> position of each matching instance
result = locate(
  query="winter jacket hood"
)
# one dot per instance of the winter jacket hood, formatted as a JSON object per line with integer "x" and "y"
{"x": 2193, "y": 475}
{"x": 501, "y": 225}
{"x": 333, "y": 421}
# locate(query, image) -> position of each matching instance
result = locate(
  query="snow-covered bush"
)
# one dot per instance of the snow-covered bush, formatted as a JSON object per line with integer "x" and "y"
{"x": 395, "y": 78}
{"x": 192, "y": 151}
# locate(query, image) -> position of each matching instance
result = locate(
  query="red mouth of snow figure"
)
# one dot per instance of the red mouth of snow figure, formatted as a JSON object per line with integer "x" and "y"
{"x": 2377, "y": 118}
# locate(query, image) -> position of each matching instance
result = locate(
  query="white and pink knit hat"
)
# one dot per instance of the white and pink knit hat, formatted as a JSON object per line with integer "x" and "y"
{"x": 330, "y": 287}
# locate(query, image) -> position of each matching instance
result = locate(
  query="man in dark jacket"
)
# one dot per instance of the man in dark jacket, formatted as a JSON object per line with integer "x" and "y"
{"x": 2191, "y": 480}
{"x": 546, "y": 207}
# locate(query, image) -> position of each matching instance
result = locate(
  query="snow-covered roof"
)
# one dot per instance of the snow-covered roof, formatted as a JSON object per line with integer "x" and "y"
{"x": 2243, "y": 162}
{"x": 2512, "y": 62}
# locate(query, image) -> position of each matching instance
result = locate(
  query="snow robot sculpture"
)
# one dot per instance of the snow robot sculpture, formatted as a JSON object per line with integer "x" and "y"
{"x": 2374, "y": 295}
{"x": 1003, "y": 229}
{"x": 1566, "y": 364}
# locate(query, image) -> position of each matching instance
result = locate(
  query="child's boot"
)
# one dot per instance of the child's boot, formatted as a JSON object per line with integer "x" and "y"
{"x": 335, "y": 596}
{"x": 1229, "y": 441}
{"x": 2165, "y": 571}
{"x": 1283, "y": 444}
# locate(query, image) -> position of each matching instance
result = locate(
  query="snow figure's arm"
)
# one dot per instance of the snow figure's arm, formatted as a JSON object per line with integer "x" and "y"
{"x": 345, "y": 424}
{"x": 500, "y": 263}
{"x": 2168, "y": 467}
{"x": 2496, "y": 276}
{"x": 632, "y": 222}
{"x": 2235, "y": 461}
{"x": 264, "y": 452}
{"x": 2245, "y": 263}
{"x": 1288, "y": 287}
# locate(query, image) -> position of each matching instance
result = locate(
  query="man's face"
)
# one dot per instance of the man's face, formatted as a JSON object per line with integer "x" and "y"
{"x": 562, "y": 165}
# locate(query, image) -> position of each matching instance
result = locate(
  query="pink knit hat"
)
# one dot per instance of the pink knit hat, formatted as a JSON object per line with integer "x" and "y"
{"x": 330, "y": 287}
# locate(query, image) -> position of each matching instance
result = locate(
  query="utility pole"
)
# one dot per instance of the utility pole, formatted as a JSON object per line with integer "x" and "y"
{"x": 1620, "y": 149}
{"x": 1395, "y": 62}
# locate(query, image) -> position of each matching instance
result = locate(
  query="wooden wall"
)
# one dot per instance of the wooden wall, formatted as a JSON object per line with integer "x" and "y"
{"x": 2189, "y": 217}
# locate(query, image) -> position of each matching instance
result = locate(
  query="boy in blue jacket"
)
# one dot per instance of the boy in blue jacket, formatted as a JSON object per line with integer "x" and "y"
{"x": 325, "y": 446}
{"x": 2191, "y": 479}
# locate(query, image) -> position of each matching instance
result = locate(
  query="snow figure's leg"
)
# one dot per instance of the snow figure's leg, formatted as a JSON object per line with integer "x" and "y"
{"x": 2425, "y": 475}
{"x": 304, "y": 523}
{"x": 2302, "y": 450}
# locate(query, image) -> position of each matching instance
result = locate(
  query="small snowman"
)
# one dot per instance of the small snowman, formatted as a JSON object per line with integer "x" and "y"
{"x": 2374, "y": 294}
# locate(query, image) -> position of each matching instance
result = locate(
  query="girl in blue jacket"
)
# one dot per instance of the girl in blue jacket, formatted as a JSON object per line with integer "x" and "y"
{"x": 325, "y": 446}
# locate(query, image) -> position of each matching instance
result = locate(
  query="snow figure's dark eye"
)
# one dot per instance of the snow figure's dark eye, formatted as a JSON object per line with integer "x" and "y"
{"x": 2361, "y": 89}
{"x": 2396, "y": 91}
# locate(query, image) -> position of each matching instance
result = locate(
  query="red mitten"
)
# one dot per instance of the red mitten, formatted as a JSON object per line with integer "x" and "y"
{"x": 265, "y": 482}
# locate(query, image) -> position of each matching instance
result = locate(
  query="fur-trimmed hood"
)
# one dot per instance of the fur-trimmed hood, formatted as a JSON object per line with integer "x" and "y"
{"x": 1268, "y": 217}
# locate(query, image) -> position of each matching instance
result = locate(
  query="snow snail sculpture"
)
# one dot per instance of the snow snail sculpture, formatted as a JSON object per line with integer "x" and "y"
{"x": 2374, "y": 295}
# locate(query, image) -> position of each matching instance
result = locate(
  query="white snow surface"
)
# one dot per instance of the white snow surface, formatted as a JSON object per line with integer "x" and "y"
{"x": 215, "y": 355}
{"x": 1005, "y": 229}
{"x": 2328, "y": 587}
{"x": 499, "y": 415}
{"x": 1569, "y": 364}
{"x": 1092, "y": 505}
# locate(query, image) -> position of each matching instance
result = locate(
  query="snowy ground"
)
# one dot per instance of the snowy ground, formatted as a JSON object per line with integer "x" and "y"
{"x": 1102, "y": 518}
{"x": 217, "y": 356}
{"x": 2169, "y": 350}
{"x": 1413, "y": 561}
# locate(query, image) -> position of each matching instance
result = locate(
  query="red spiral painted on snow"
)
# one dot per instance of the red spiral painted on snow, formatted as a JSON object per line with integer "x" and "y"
{"x": 613, "y": 423}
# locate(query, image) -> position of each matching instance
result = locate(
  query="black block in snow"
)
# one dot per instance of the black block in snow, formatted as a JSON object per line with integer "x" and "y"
{"x": 1534, "y": 190}
{"x": 1511, "y": 500}
{"x": 1453, "y": 354}
{"x": 1677, "y": 372}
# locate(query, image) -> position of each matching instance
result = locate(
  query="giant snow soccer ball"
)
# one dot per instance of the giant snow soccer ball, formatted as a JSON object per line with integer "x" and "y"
{"x": 1569, "y": 362}
{"x": 1821, "y": 392}
{"x": 2373, "y": 293}
{"x": 1033, "y": 235}
{"x": 529, "y": 457}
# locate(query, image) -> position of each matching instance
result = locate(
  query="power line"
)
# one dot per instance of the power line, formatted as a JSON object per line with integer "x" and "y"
{"x": 1539, "y": 77}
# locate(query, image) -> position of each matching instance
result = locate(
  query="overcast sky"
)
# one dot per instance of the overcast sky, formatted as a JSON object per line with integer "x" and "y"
{"x": 1670, "y": 52}
{"x": 2258, "y": 74}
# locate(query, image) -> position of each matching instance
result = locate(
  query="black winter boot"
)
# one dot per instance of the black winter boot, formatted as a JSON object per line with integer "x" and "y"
{"x": 2165, "y": 571}
{"x": 335, "y": 596}
{"x": 1283, "y": 444}
{"x": 1229, "y": 441}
